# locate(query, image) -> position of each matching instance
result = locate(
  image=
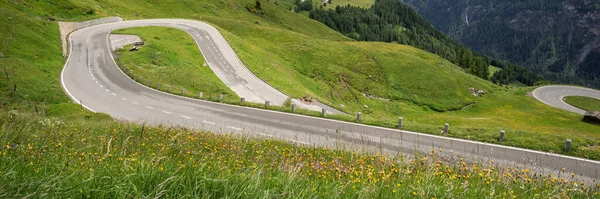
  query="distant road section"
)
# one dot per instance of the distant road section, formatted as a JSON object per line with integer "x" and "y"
{"x": 553, "y": 96}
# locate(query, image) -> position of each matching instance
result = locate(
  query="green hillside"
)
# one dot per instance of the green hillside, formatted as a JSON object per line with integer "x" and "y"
{"x": 340, "y": 72}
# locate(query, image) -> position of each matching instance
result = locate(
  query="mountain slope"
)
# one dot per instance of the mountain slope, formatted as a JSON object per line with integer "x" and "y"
{"x": 394, "y": 21}
{"x": 558, "y": 39}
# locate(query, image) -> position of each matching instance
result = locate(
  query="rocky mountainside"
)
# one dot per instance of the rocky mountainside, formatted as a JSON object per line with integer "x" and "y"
{"x": 559, "y": 39}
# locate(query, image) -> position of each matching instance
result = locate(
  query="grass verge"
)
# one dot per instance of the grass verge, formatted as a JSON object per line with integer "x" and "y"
{"x": 585, "y": 103}
{"x": 171, "y": 57}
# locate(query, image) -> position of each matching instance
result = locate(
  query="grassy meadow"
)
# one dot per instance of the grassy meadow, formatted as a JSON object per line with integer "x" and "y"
{"x": 170, "y": 56}
{"x": 46, "y": 157}
{"x": 585, "y": 103}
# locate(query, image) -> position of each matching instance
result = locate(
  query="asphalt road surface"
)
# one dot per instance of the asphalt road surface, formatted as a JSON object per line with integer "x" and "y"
{"x": 91, "y": 76}
{"x": 553, "y": 96}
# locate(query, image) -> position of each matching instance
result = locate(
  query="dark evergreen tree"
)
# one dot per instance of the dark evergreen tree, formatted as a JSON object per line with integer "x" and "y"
{"x": 306, "y": 5}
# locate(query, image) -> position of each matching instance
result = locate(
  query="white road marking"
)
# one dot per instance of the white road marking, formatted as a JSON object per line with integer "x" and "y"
{"x": 113, "y": 94}
{"x": 186, "y": 117}
{"x": 135, "y": 103}
{"x": 149, "y": 107}
{"x": 167, "y": 112}
{"x": 300, "y": 142}
{"x": 101, "y": 86}
{"x": 106, "y": 90}
{"x": 124, "y": 99}
{"x": 231, "y": 127}
{"x": 267, "y": 135}
{"x": 208, "y": 122}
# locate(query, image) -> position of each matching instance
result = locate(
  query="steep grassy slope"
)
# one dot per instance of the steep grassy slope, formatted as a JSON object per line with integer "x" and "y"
{"x": 341, "y": 72}
{"x": 31, "y": 62}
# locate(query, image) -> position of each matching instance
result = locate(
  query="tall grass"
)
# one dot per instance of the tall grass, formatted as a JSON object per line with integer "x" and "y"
{"x": 51, "y": 158}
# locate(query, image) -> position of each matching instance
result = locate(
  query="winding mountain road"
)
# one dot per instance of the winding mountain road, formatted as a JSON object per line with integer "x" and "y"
{"x": 553, "y": 96}
{"x": 92, "y": 78}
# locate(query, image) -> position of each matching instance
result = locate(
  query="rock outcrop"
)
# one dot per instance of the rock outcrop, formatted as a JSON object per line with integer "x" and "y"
{"x": 592, "y": 117}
